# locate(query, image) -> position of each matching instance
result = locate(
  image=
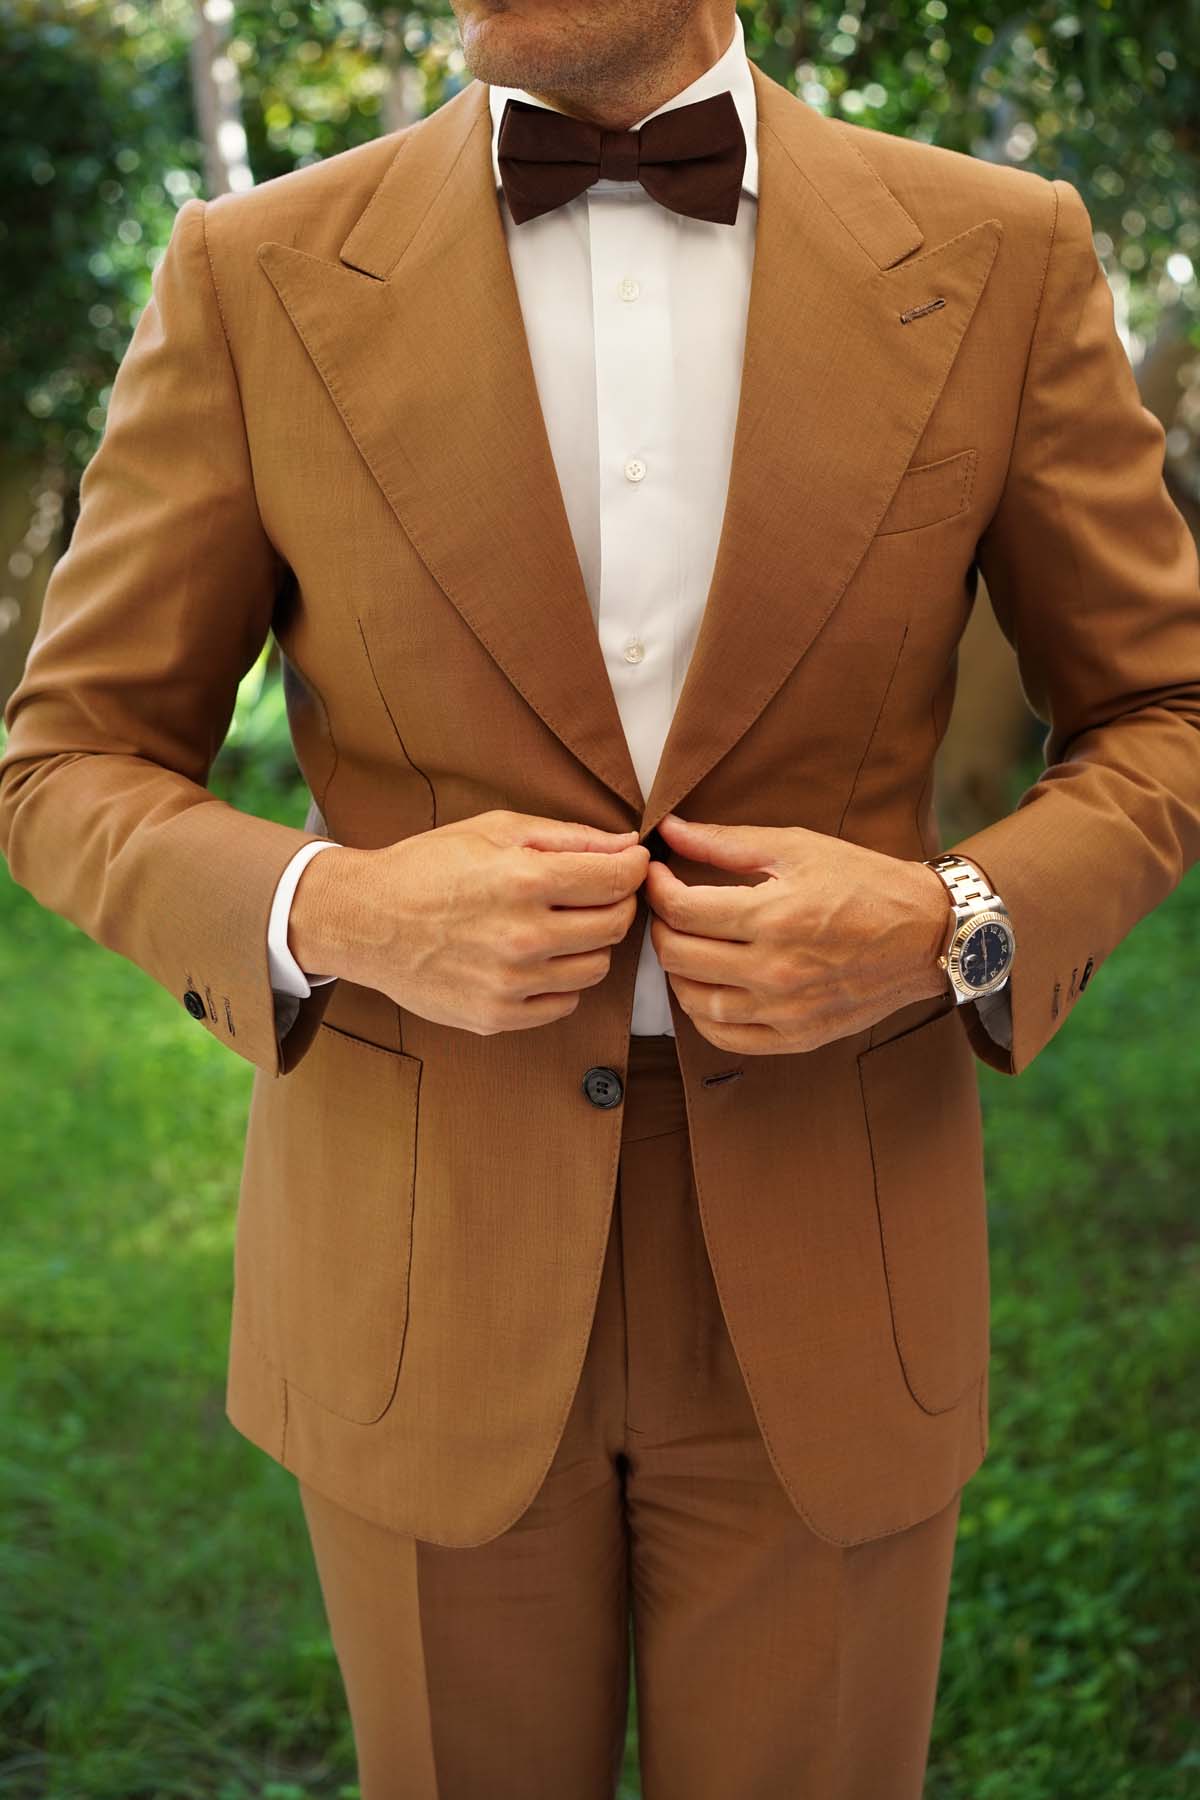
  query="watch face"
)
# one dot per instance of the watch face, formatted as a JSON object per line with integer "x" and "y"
{"x": 985, "y": 955}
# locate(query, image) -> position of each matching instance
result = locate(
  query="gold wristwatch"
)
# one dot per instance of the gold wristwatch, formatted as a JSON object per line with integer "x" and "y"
{"x": 978, "y": 952}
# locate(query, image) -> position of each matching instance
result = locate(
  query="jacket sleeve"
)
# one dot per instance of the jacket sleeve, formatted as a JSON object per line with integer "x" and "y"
{"x": 157, "y": 608}
{"x": 1092, "y": 574}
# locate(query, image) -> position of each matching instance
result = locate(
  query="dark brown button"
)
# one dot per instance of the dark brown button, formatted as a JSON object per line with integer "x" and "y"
{"x": 603, "y": 1086}
{"x": 194, "y": 1003}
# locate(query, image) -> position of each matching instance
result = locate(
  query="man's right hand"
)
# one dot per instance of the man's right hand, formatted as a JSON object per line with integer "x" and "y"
{"x": 493, "y": 923}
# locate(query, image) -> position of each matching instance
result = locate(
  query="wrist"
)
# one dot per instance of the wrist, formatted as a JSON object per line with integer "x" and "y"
{"x": 936, "y": 912}
{"x": 318, "y": 933}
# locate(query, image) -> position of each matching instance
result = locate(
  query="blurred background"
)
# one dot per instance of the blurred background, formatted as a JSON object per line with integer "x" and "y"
{"x": 161, "y": 1632}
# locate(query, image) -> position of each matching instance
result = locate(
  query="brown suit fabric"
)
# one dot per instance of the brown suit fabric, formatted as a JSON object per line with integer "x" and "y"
{"x": 768, "y": 1662}
{"x": 326, "y": 426}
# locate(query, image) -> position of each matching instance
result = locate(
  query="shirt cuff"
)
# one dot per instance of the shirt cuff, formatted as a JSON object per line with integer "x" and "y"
{"x": 995, "y": 1013}
{"x": 287, "y": 977}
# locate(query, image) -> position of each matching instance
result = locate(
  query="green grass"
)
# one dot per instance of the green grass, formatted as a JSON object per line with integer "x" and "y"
{"x": 1072, "y": 1661}
{"x": 161, "y": 1632}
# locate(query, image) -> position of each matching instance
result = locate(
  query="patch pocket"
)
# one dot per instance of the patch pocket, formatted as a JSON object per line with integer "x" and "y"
{"x": 325, "y": 1221}
{"x": 930, "y": 493}
{"x": 924, "y": 1123}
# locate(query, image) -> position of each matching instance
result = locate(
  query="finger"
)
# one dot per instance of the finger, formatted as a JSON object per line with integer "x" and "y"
{"x": 723, "y": 1005}
{"x": 705, "y": 911}
{"x": 745, "y": 847}
{"x": 583, "y": 878}
{"x": 704, "y": 959}
{"x": 569, "y": 929}
{"x": 743, "y": 1040}
{"x": 566, "y": 834}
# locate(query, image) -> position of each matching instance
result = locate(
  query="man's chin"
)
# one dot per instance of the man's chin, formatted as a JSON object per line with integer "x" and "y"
{"x": 500, "y": 49}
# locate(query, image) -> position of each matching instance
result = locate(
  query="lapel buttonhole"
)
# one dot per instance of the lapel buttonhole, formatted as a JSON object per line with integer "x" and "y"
{"x": 918, "y": 312}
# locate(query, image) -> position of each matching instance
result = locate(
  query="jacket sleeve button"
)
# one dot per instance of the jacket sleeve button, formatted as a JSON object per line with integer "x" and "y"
{"x": 194, "y": 1003}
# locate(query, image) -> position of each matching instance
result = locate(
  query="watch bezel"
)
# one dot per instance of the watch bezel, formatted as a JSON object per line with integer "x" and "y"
{"x": 963, "y": 933}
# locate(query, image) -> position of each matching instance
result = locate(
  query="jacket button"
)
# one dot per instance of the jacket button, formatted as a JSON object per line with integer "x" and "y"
{"x": 194, "y": 1003}
{"x": 603, "y": 1087}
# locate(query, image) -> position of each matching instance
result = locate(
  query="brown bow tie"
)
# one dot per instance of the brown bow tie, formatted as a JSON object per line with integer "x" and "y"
{"x": 689, "y": 158}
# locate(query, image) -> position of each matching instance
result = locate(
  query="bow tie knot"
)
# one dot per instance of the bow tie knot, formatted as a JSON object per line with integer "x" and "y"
{"x": 619, "y": 155}
{"x": 690, "y": 158}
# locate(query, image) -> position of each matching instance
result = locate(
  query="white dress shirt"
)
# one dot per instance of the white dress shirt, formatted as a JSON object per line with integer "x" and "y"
{"x": 635, "y": 317}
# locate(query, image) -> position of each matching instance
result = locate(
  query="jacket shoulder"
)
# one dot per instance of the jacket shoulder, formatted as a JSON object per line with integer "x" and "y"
{"x": 310, "y": 209}
{"x": 947, "y": 191}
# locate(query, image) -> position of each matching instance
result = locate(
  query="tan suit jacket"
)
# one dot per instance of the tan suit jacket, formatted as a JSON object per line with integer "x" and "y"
{"x": 326, "y": 425}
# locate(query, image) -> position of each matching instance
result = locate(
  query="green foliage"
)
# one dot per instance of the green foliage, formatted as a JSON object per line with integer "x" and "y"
{"x": 256, "y": 766}
{"x": 313, "y": 74}
{"x": 162, "y": 1632}
{"x": 95, "y": 158}
{"x": 1104, "y": 95}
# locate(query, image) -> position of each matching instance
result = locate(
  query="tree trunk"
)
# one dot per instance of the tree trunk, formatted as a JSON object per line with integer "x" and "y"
{"x": 404, "y": 95}
{"x": 217, "y": 99}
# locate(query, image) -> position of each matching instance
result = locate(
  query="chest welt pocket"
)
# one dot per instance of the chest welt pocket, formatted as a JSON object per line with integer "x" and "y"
{"x": 931, "y": 492}
{"x": 325, "y": 1221}
{"x": 921, "y": 1100}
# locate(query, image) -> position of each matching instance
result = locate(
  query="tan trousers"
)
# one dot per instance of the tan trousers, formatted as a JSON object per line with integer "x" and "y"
{"x": 769, "y": 1664}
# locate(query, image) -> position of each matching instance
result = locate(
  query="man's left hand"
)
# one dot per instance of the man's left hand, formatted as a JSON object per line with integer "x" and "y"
{"x": 837, "y": 937}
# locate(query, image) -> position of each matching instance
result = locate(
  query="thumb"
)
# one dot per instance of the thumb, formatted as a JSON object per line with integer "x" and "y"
{"x": 741, "y": 847}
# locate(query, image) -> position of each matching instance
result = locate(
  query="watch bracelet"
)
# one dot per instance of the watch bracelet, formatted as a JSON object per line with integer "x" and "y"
{"x": 964, "y": 879}
{"x": 967, "y": 885}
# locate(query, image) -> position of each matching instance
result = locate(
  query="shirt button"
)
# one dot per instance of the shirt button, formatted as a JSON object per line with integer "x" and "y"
{"x": 634, "y": 469}
{"x": 634, "y": 650}
{"x": 628, "y": 288}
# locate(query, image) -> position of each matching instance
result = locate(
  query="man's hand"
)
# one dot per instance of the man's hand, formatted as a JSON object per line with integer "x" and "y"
{"x": 493, "y": 923}
{"x": 837, "y": 937}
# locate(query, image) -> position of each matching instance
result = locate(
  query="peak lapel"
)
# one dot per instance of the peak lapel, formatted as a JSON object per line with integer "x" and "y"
{"x": 835, "y": 394}
{"x": 418, "y": 335}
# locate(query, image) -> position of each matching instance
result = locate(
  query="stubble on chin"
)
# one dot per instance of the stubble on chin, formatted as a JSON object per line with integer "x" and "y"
{"x": 509, "y": 47}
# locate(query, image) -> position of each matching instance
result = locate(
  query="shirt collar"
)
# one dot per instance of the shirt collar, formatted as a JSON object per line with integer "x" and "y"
{"x": 730, "y": 71}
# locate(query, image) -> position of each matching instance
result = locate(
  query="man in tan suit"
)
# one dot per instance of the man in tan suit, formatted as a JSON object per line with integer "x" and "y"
{"x": 611, "y": 1245}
